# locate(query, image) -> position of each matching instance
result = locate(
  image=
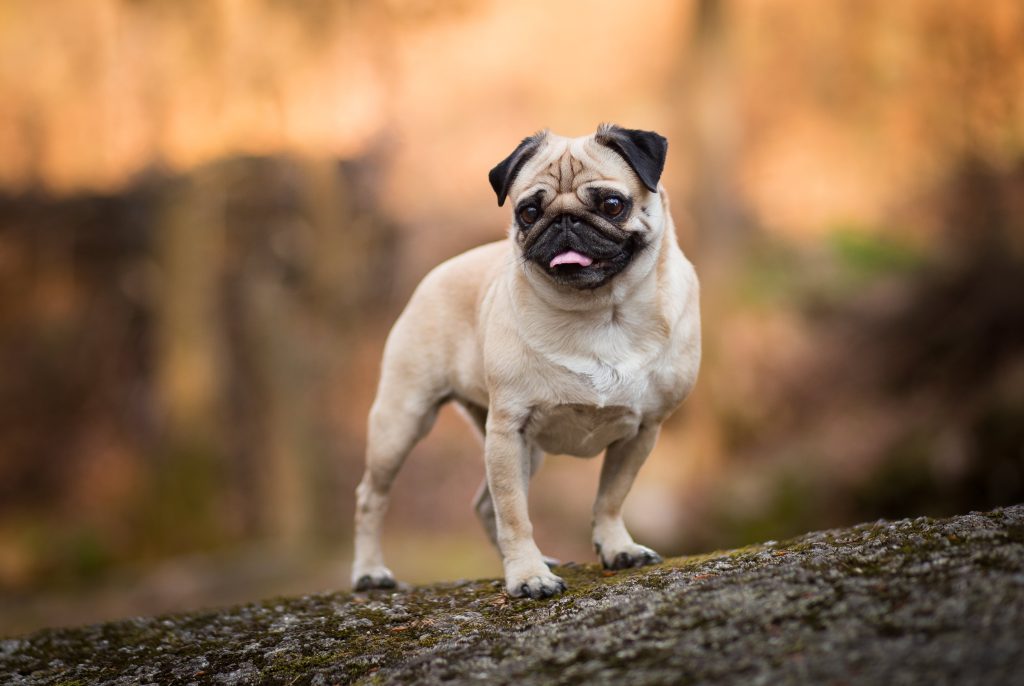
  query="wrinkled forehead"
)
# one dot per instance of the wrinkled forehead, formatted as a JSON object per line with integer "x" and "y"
{"x": 569, "y": 165}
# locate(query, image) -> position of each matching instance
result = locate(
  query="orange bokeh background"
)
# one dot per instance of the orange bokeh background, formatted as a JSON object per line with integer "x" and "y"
{"x": 211, "y": 212}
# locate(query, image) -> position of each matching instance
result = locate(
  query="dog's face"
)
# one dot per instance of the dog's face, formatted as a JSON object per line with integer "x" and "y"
{"x": 583, "y": 208}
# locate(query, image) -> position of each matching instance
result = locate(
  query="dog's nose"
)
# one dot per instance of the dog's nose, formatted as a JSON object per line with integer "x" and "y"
{"x": 568, "y": 221}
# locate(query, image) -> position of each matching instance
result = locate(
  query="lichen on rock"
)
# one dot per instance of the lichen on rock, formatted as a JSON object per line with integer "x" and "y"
{"x": 914, "y": 601}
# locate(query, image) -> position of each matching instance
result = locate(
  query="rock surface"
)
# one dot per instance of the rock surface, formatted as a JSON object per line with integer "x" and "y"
{"x": 912, "y": 602}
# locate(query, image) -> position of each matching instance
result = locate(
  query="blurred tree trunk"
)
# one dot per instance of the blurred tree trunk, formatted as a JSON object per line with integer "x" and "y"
{"x": 348, "y": 254}
{"x": 709, "y": 129}
{"x": 337, "y": 253}
{"x": 713, "y": 130}
{"x": 304, "y": 266}
{"x": 280, "y": 357}
{"x": 274, "y": 344}
{"x": 189, "y": 354}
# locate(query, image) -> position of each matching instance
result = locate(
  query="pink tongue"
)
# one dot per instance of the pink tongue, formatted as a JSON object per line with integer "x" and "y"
{"x": 571, "y": 257}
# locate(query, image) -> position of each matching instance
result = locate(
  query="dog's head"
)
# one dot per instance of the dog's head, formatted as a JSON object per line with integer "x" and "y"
{"x": 583, "y": 208}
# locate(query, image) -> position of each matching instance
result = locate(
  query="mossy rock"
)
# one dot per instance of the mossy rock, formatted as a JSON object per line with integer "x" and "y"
{"x": 911, "y": 602}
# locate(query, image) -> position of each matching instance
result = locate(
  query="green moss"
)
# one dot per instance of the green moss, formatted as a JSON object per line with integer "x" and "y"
{"x": 727, "y": 615}
{"x": 299, "y": 666}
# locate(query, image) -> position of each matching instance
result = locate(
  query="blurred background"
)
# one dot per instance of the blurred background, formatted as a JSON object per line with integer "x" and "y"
{"x": 212, "y": 211}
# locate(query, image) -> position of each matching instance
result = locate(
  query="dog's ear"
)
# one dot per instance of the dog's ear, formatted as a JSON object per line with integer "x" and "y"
{"x": 645, "y": 151}
{"x": 502, "y": 176}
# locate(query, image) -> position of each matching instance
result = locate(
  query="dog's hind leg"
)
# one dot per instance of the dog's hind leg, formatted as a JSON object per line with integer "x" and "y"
{"x": 482, "y": 503}
{"x": 400, "y": 417}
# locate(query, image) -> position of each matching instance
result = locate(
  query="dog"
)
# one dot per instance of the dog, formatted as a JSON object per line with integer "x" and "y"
{"x": 580, "y": 334}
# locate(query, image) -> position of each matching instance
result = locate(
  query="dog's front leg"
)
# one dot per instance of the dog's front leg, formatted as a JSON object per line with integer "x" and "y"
{"x": 507, "y": 458}
{"x": 612, "y": 541}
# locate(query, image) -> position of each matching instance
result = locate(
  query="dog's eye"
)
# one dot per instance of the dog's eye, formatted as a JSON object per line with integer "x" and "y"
{"x": 528, "y": 214}
{"x": 612, "y": 206}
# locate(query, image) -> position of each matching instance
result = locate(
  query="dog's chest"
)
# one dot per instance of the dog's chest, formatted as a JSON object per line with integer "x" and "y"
{"x": 579, "y": 429}
{"x": 595, "y": 403}
{"x": 607, "y": 366}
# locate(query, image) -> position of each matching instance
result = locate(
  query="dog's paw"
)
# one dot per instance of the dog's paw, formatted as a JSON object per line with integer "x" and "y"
{"x": 376, "y": 577}
{"x": 540, "y": 585}
{"x": 633, "y": 556}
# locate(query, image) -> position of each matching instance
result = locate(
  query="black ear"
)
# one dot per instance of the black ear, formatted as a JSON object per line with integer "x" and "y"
{"x": 504, "y": 174}
{"x": 645, "y": 151}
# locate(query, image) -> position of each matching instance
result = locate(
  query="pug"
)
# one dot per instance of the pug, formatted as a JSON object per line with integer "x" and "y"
{"x": 579, "y": 334}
